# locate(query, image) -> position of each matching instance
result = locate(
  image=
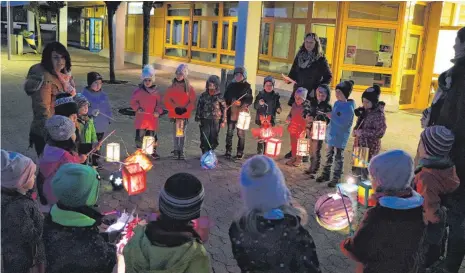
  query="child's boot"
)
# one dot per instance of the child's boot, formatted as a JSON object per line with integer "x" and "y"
{"x": 322, "y": 178}
{"x": 227, "y": 154}
{"x": 181, "y": 156}
{"x": 175, "y": 154}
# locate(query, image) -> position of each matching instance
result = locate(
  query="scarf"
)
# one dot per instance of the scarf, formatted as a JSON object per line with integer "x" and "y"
{"x": 459, "y": 51}
{"x": 67, "y": 82}
{"x": 305, "y": 59}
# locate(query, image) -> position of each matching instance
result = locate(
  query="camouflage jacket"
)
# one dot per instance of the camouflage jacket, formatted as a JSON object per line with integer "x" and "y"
{"x": 211, "y": 107}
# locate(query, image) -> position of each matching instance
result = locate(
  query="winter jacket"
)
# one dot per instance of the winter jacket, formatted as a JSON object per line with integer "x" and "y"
{"x": 51, "y": 160}
{"x": 149, "y": 102}
{"x": 177, "y": 96}
{"x": 297, "y": 115}
{"x": 234, "y": 91}
{"x": 279, "y": 246}
{"x": 324, "y": 107}
{"x": 342, "y": 118}
{"x": 22, "y": 226}
{"x": 162, "y": 248}
{"x": 87, "y": 130}
{"x": 211, "y": 107}
{"x": 390, "y": 236}
{"x": 434, "y": 180}
{"x": 372, "y": 124}
{"x": 99, "y": 101}
{"x": 73, "y": 243}
{"x": 273, "y": 104}
{"x": 310, "y": 78}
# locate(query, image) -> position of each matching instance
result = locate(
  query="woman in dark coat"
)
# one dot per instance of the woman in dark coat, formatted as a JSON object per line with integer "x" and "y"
{"x": 309, "y": 70}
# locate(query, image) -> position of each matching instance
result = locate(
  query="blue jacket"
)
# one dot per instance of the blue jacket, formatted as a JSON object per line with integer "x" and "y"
{"x": 99, "y": 100}
{"x": 342, "y": 118}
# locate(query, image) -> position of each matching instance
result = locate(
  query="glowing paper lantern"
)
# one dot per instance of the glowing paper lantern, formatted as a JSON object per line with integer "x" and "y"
{"x": 148, "y": 144}
{"x": 209, "y": 160}
{"x": 266, "y": 133}
{"x": 243, "y": 122}
{"x": 364, "y": 192}
{"x": 113, "y": 152}
{"x": 360, "y": 157}
{"x": 273, "y": 147}
{"x": 134, "y": 179}
{"x": 319, "y": 130}
{"x": 140, "y": 158}
{"x": 331, "y": 213}
{"x": 116, "y": 180}
{"x": 179, "y": 127}
{"x": 303, "y": 146}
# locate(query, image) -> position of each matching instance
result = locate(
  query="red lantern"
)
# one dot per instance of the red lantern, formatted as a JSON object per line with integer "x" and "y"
{"x": 134, "y": 178}
{"x": 273, "y": 147}
{"x": 140, "y": 158}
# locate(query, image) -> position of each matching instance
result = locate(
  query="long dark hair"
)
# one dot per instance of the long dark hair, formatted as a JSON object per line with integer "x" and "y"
{"x": 318, "y": 50}
{"x": 47, "y": 63}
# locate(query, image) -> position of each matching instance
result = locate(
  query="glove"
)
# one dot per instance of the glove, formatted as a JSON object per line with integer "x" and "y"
{"x": 359, "y": 111}
{"x": 178, "y": 111}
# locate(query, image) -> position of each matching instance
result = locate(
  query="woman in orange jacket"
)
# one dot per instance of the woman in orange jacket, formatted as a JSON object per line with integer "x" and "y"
{"x": 179, "y": 100}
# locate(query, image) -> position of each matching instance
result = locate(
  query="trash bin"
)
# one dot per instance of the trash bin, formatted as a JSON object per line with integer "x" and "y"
{"x": 16, "y": 44}
{"x": 226, "y": 78}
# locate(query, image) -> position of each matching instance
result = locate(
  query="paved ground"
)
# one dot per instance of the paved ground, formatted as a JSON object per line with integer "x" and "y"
{"x": 222, "y": 201}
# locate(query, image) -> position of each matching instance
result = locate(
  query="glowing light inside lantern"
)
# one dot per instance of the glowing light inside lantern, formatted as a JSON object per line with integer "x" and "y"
{"x": 365, "y": 191}
{"x": 303, "y": 146}
{"x": 273, "y": 147}
{"x": 134, "y": 179}
{"x": 360, "y": 157}
{"x": 319, "y": 130}
{"x": 179, "y": 127}
{"x": 209, "y": 160}
{"x": 140, "y": 158}
{"x": 113, "y": 152}
{"x": 243, "y": 122}
{"x": 331, "y": 213}
{"x": 148, "y": 144}
{"x": 266, "y": 133}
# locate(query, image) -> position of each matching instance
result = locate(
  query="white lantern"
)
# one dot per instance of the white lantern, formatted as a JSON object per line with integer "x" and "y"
{"x": 303, "y": 146}
{"x": 148, "y": 144}
{"x": 319, "y": 130}
{"x": 273, "y": 147}
{"x": 113, "y": 152}
{"x": 179, "y": 127}
{"x": 243, "y": 122}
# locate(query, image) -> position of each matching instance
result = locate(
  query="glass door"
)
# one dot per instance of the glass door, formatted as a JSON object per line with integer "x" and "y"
{"x": 411, "y": 69}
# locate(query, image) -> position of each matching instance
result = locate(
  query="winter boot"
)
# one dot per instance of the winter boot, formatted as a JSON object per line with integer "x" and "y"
{"x": 181, "y": 156}
{"x": 175, "y": 154}
{"x": 333, "y": 183}
{"x": 228, "y": 154}
{"x": 298, "y": 161}
{"x": 322, "y": 178}
{"x": 305, "y": 159}
{"x": 260, "y": 148}
{"x": 239, "y": 156}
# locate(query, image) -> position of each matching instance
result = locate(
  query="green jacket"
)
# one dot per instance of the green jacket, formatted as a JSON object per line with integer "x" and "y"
{"x": 87, "y": 131}
{"x": 140, "y": 255}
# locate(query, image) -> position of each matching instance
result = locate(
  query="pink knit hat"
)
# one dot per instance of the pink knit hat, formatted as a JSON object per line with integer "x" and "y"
{"x": 17, "y": 169}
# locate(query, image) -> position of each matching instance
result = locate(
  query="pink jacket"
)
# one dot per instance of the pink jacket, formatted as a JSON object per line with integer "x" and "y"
{"x": 49, "y": 163}
{"x": 149, "y": 102}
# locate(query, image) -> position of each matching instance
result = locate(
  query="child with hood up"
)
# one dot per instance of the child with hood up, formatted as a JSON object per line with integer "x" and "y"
{"x": 146, "y": 102}
{"x": 270, "y": 234}
{"x": 435, "y": 178}
{"x": 297, "y": 123}
{"x": 370, "y": 126}
{"x": 338, "y": 132}
{"x": 22, "y": 244}
{"x": 318, "y": 110}
{"x": 60, "y": 149}
{"x": 267, "y": 104}
{"x": 87, "y": 133}
{"x": 171, "y": 244}
{"x": 390, "y": 236}
{"x": 211, "y": 114}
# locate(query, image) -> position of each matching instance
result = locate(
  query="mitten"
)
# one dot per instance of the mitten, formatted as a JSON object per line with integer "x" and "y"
{"x": 178, "y": 111}
{"x": 183, "y": 110}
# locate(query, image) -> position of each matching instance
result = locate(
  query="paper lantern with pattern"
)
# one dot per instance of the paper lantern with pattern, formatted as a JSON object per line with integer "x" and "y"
{"x": 179, "y": 127}
{"x": 303, "y": 146}
{"x": 134, "y": 178}
{"x": 364, "y": 194}
{"x": 330, "y": 211}
{"x": 209, "y": 160}
{"x": 360, "y": 157}
{"x": 273, "y": 147}
{"x": 319, "y": 130}
{"x": 148, "y": 144}
{"x": 140, "y": 158}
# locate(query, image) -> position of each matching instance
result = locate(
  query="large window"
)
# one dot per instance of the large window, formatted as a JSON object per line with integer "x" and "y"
{"x": 385, "y": 11}
{"x": 453, "y": 14}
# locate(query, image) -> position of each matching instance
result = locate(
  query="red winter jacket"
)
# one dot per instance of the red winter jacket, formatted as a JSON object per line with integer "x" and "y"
{"x": 176, "y": 96}
{"x": 149, "y": 103}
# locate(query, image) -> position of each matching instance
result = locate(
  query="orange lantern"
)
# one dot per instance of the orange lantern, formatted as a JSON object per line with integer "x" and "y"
{"x": 134, "y": 178}
{"x": 273, "y": 147}
{"x": 365, "y": 191}
{"x": 140, "y": 158}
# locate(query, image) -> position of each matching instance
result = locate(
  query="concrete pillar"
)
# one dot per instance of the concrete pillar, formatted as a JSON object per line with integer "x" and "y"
{"x": 63, "y": 26}
{"x": 30, "y": 21}
{"x": 247, "y": 40}
{"x": 119, "y": 31}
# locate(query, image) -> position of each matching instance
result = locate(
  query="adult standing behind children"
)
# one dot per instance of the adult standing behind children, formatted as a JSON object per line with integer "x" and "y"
{"x": 179, "y": 100}
{"x": 238, "y": 98}
{"x": 43, "y": 83}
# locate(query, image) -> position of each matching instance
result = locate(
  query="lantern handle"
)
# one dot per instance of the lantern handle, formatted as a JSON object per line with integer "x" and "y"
{"x": 351, "y": 231}
{"x": 206, "y": 138}
{"x": 100, "y": 142}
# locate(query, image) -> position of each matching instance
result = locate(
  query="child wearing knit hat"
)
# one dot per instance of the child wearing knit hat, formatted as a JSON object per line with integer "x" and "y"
{"x": 171, "y": 243}
{"x": 435, "y": 178}
{"x": 60, "y": 149}
{"x": 297, "y": 123}
{"x": 87, "y": 134}
{"x": 389, "y": 238}
{"x": 271, "y": 223}
{"x": 338, "y": 133}
{"x": 211, "y": 114}
{"x": 267, "y": 105}
{"x": 147, "y": 103}
{"x": 23, "y": 221}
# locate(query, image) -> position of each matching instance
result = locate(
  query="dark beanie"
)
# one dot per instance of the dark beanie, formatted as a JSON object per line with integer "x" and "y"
{"x": 268, "y": 79}
{"x": 346, "y": 87}
{"x": 326, "y": 88}
{"x": 181, "y": 197}
{"x": 372, "y": 94}
{"x": 92, "y": 77}
{"x": 65, "y": 105}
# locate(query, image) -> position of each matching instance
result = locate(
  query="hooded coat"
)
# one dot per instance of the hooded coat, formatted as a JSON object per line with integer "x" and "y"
{"x": 372, "y": 124}
{"x": 272, "y": 100}
{"x": 99, "y": 101}
{"x": 149, "y": 101}
{"x": 342, "y": 118}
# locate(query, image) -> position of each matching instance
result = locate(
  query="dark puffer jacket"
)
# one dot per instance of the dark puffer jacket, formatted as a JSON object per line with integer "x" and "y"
{"x": 324, "y": 107}
{"x": 372, "y": 124}
{"x": 272, "y": 100}
{"x": 234, "y": 91}
{"x": 211, "y": 107}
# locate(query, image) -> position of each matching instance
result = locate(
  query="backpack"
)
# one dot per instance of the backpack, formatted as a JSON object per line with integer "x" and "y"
{"x": 34, "y": 79}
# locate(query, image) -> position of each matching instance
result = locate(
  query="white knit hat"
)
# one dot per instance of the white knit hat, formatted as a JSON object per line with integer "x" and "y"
{"x": 60, "y": 128}
{"x": 148, "y": 72}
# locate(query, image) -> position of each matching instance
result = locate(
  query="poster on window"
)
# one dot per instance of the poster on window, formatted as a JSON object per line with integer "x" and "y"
{"x": 351, "y": 50}
{"x": 385, "y": 48}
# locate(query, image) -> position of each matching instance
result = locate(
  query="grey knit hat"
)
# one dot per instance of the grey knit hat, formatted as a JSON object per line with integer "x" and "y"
{"x": 437, "y": 141}
{"x": 60, "y": 128}
{"x": 392, "y": 170}
{"x": 81, "y": 100}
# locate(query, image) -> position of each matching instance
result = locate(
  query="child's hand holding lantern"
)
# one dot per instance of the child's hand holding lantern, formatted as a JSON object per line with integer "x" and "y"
{"x": 261, "y": 102}
{"x": 309, "y": 118}
{"x": 237, "y": 103}
{"x": 278, "y": 111}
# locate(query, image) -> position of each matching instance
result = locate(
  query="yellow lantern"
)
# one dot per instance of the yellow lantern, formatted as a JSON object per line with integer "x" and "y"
{"x": 113, "y": 152}
{"x": 360, "y": 157}
{"x": 303, "y": 146}
{"x": 179, "y": 127}
{"x": 148, "y": 144}
{"x": 140, "y": 158}
{"x": 273, "y": 147}
{"x": 364, "y": 192}
{"x": 243, "y": 122}
{"x": 319, "y": 130}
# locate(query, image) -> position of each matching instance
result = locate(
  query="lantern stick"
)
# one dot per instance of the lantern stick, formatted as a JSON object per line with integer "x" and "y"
{"x": 100, "y": 142}
{"x": 351, "y": 231}
{"x": 119, "y": 162}
{"x": 107, "y": 116}
{"x": 208, "y": 142}
{"x": 235, "y": 101}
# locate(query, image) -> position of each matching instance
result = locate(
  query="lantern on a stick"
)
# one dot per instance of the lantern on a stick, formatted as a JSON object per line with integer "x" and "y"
{"x": 243, "y": 122}
{"x": 333, "y": 211}
{"x": 360, "y": 157}
{"x": 116, "y": 180}
{"x": 134, "y": 178}
{"x": 148, "y": 144}
{"x": 113, "y": 152}
{"x": 209, "y": 160}
{"x": 140, "y": 158}
{"x": 179, "y": 127}
{"x": 273, "y": 147}
{"x": 319, "y": 130}
{"x": 303, "y": 146}
{"x": 365, "y": 191}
